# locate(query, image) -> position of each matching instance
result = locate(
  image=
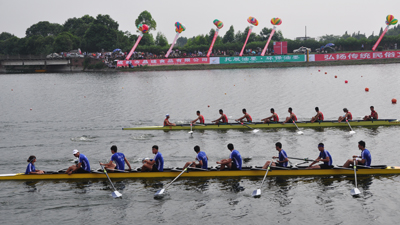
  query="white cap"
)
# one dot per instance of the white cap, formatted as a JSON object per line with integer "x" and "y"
{"x": 75, "y": 151}
{"x": 167, "y": 115}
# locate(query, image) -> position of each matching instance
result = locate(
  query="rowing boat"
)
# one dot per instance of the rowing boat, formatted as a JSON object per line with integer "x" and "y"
{"x": 305, "y": 124}
{"x": 212, "y": 173}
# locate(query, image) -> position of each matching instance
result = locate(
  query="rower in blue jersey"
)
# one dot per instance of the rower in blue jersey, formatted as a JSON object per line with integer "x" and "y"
{"x": 117, "y": 161}
{"x": 363, "y": 160}
{"x": 324, "y": 157}
{"x": 201, "y": 157}
{"x": 30, "y": 169}
{"x": 156, "y": 164}
{"x": 83, "y": 165}
{"x": 282, "y": 159}
{"x": 234, "y": 162}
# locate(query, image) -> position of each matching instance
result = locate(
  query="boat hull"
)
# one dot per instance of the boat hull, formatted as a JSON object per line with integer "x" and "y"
{"x": 207, "y": 174}
{"x": 356, "y": 123}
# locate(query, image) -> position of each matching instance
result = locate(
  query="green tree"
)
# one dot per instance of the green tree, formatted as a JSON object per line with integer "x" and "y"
{"x": 102, "y": 34}
{"x": 78, "y": 26}
{"x": 44, "y": 28}
{"x": 5, "y": 35}
{"x": 345, "y": 35}
{"x": 329, "y": 38}
{"x": 181, "y": 41}
{"x": 146, "y": 18}
{"x": 161, "y": 40}
{"x": 65, "y": 42}
{"x": 229, "y": 36}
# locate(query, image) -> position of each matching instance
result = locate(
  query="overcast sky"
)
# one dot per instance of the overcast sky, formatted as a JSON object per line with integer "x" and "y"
{"x": 320, "y": 17}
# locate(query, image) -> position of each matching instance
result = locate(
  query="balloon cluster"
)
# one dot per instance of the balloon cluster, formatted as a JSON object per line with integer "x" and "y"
{"x": 143, "y": 28}
{"x": 179, "y": 27}
{"x": 253, "y": 21}
{"x": 390, "y": 20}
{"x": 276, "y": 21}
{"x": 218, "y": 23}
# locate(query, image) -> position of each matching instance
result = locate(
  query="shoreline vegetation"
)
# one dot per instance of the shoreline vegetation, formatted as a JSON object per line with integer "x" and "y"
{"x": 257, "y": 65}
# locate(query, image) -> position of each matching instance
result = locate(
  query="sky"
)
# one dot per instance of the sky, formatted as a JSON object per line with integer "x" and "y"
{"x": 320, "y": 17}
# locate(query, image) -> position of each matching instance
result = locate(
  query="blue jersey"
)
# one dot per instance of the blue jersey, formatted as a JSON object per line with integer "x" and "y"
{"x": 282, "y": 156}
{"x": 203, "y": 158}
{"x": 30, "y": 168}
{"x": 84, "y": 162}
{"x": 365, "y": 154}
{"x": 236, "y": 159}
{"x": 159, "y": 161}
{"x": 119, "y": 159}
{"x": 325, "y": 154}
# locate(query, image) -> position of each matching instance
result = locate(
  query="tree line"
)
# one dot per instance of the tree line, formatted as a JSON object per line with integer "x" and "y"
{"x": 102, "y": 34}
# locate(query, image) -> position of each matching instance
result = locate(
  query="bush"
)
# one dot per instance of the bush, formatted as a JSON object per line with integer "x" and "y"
{"x": 380, "y": 48}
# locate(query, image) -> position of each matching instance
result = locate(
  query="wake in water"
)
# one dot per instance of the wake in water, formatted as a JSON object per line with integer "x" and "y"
{"x": 83, "y": 138}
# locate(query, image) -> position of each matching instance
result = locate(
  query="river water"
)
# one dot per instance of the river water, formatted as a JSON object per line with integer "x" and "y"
{"x": 49, "y": 115}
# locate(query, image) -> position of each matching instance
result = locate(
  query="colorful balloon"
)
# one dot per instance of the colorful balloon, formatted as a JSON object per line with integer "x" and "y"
{"x": 276, "y": 21}
{"x": 390, "y": 20}
{"x": 179, "y": 27}
{"x": 143, "y": 28}
{"x": 253, "y": 21}
{"x": 218, "y": 23}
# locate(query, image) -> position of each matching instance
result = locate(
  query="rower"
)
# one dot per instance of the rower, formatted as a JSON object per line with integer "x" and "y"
{"x": 200, "y": 118}
{"x": 166, "y": 121}
{"x": 292, "y": 117}
{"x": 221, "y": 120}
{"x": 324, "y": 157}
{"x": 364, "y": 159}
{"x": 347, "y": 115}
{"x": 373, "y": 116}
{"x": 246, "y": 116}
{"x": 83, "y": 165}
{"x": 201, "y": 157}
{"x": 30, "y": 169}
{"x": 117, "y": 161}
{"x": 234, "y": 162}
{"x": 274, "y": 118}
{"x": 282, "y": 160}
{"x": 156, "y": 164}
{"x": 319, "y": 117}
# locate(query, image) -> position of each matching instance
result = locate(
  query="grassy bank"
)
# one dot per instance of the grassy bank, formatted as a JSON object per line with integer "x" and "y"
{"x": 261, "y": 65}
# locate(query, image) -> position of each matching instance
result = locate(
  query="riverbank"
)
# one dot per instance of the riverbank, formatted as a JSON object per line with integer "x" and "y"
{"x": 256, "y": 65}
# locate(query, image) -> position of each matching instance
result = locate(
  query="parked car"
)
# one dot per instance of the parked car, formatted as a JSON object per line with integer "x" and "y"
{"x": 53, "y": 56}
{"x": 302, "y": 50}
{"x": 74, "y": 55}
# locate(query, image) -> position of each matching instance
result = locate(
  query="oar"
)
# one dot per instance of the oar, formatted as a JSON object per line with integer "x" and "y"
{"x": 355, "y": 191}
{"x": 254, "y": 130}
{"x": 160, "y": 194}
{"x": 298, "y": 132}
{"x": 352, "y": 131}
{"x": 115, "y": 193}
{"x": 305, "y": 159}
{"x": 191, "y": 130}
{"x": 257, "y": 193}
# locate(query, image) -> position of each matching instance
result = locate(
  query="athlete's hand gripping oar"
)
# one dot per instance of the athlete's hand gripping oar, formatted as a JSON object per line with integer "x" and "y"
{"x": 351, "y": 129}
{"x": 115, "y": 193}
{"x": 257, "y": 193}
{"x": 355, "y": 191}
{"x": 160, "y": 194}
{"x": 298, "y": 132}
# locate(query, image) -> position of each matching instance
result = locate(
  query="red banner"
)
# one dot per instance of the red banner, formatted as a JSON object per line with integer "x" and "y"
{"x": 162, "y": 62}
{"x": 357, "y": 56}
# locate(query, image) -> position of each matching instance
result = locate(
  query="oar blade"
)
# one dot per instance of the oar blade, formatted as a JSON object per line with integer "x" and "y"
{"x": 355, "y": 192}
{"x": 159, "y": 194}
{"x": 116, "y": 194}
{"x": 256, "y": 193}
